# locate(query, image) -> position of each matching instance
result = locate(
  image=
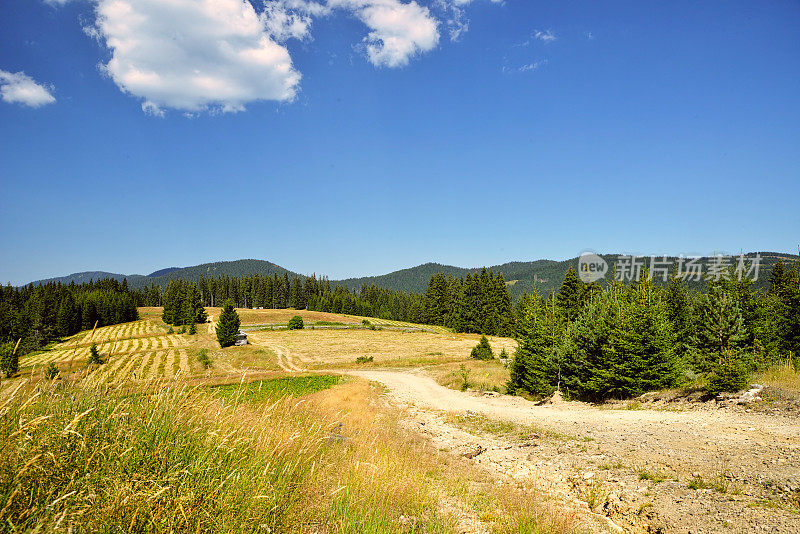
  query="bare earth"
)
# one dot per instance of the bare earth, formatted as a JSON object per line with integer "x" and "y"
{"x": 750, "y": 458}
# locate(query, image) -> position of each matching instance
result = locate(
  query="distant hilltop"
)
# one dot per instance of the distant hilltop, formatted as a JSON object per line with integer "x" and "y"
{"x": 521, "y": 276}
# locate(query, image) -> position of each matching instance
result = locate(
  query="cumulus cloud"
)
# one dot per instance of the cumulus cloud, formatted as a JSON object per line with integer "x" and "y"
{"x": 195, "y": 55}
{"x": 19, "y": 88}
{"x": 220, "y": 55}
{"x": 398, "y": 31}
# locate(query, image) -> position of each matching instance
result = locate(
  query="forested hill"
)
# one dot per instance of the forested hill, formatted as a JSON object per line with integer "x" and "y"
{"x": 543, "y": 275}
{"x": 232, "y": 269}
{"x": 161, "y": 277}
{"x": 521, "y": 277}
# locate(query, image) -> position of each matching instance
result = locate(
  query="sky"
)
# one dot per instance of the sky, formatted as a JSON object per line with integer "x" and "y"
{"x": 357, "y": 137}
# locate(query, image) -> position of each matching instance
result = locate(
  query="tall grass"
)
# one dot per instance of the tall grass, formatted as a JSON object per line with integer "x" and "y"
{"x": 190, "y": 460}
{"x": 783, "y": 376}
{"x": 180, "y": 460}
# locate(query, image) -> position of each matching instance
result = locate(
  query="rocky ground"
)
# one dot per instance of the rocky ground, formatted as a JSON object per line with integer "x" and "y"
{"x": 660, "y": 464}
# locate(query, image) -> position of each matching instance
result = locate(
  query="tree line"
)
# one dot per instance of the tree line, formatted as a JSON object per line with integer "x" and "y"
{"x": 625, "y": 339}
{"x": 43, "y": 313}
{"x": 478, "y": 303}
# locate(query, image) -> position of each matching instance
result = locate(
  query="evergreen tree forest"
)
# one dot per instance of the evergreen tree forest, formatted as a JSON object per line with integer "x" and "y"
{"x": 478, "y": 303}
{"x": 183, "y": 304}
{"x": 622, "y": 340}
{"x": 43, "y": 313}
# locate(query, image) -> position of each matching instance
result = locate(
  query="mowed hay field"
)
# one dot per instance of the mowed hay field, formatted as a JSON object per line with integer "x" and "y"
{"x": 142, "y": 351}
{"x": 320, "y": 349}
{"x": 139, "y": 351}
{"x": 250, "y": 317}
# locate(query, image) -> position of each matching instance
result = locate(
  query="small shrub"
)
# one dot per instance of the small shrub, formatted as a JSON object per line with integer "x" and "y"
{"x": 296, "y": 323}
{"x": 182, "y": 330}
{"x": 365, "y": 322}
{"x": 482, "y": 351}
{"x": 203, "y": 358}
{"x": 647, "y": 475}
{"x": 94, "y": 355}
{"x": 171, "y": 330}
{"x": 364, "y": 359}
{"x": 595, "y": 494}
{"x": 463, "y": 374}
{"x": 503, "y": 354}
{"x": 731, "y": 374}
{"x": 193, "y": 328}
{"x": 51, "y": 371}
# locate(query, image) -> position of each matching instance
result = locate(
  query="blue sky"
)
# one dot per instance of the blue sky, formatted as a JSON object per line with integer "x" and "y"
{"x": 356, "y": 137}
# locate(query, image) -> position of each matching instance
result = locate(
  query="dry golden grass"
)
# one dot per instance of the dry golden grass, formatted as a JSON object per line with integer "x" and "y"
{"x": 783, "y": 376}
{"x": 488, "y": 375}
{"x": 189, "y": 460}
{"x": 339, "y": 348}
{"x": 255, "y": 317}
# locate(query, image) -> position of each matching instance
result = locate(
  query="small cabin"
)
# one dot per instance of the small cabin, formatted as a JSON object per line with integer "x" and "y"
{"x": 240, "y": 339}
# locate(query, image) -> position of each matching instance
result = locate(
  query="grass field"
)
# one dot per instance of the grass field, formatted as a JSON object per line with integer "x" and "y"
{"x": 250, "y": 317}
{"x": 143, "y": 351}
{"x": 480, "y": 375}
{"x": 325, "y": 349}
{"x": 292, "y": 455}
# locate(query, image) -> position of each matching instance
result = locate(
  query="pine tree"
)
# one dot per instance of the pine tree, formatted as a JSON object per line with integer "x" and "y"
{"x": 720, "y": 327}
{"x": 9, "y": 359}
{"x": 571, "y": 295}
{"x": 482, "y": 351}
{"x": 228, "y": 325}
{"x": 295, "y": 323}
{"x": 94, "y": 355}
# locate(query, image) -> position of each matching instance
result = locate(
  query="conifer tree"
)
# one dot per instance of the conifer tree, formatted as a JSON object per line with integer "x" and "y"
{"x": 720, "y": 327}
{"x": 571, "y": 295}
{"x": 535, "y": 368}
{"x": 94, "y": 355}
{"x": 482, "y": 351}
{"x": 9, "y": 359}
{"x": 228, "y": 325}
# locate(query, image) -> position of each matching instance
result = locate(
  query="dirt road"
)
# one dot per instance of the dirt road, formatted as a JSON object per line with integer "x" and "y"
{"x": 634, "y": 466}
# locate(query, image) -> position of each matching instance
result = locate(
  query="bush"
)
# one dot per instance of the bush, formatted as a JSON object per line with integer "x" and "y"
{"x": 203, "y": 358}
{"x": 365, "y": 322}
{"x": 463, "y": 374}
{"x": 51, "y": 371}
{"x": 94, "y": 355}
{"x": 296, "y": 323}
{"x": 171, "y": 330}
{"x": 193, "y": 328}
{"x": 364, "y": 359}
{"x": 182, "y": 330}
{"x": 482, "y": 351}
{"x": 731, "y": 374}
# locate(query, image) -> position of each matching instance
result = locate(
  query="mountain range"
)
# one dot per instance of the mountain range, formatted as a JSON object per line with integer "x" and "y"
{"x": 543, "y": 275}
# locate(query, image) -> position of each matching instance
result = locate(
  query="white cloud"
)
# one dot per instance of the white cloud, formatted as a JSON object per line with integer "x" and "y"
{"x": 196, "y": 55}
{"x": 220, "y": 55}
{"x": 290, "y": 19}
{"x": 19, "y": 88}
{"x": 532, "y": 66}
{"x": 454, "y": 16}
{"x": 546, "y": 36}
{"x": 398, "y": 31}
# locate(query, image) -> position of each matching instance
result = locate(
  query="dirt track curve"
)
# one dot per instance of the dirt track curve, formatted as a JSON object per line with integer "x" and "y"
{"x": 752, "y": 459}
